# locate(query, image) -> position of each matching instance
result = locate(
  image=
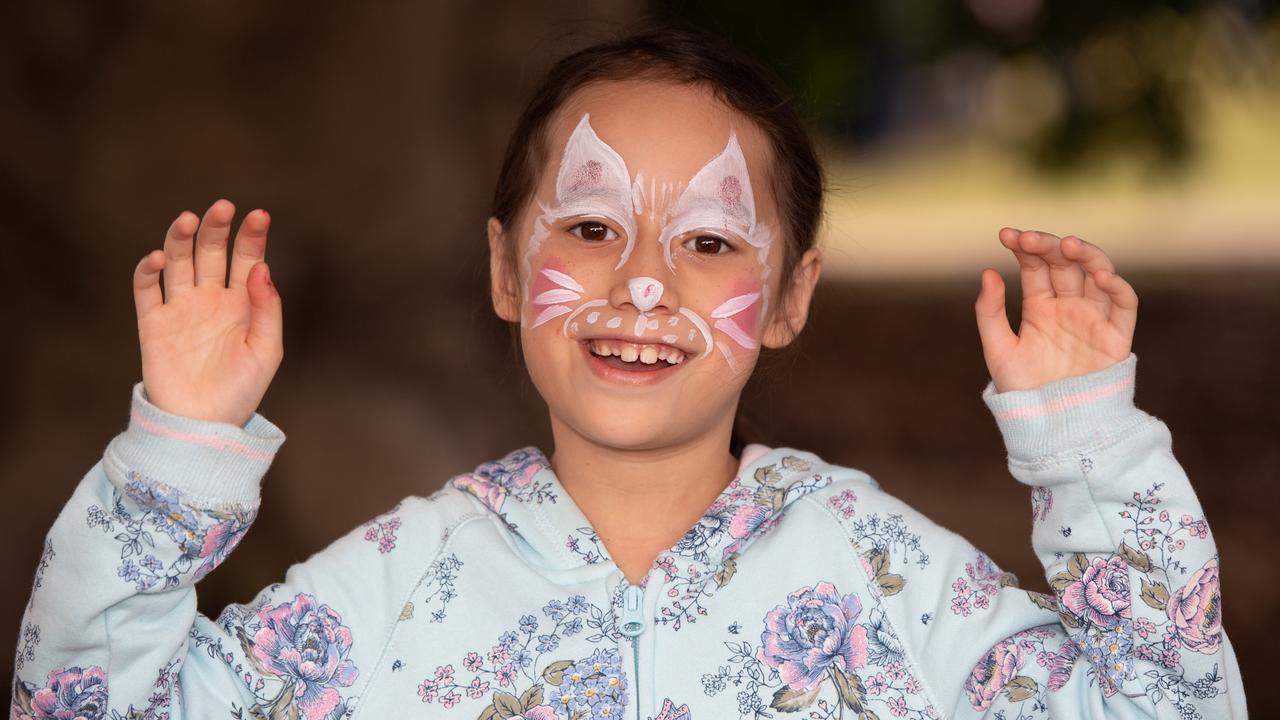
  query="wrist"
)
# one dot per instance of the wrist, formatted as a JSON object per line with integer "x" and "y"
{"x": 1069, "y": 414}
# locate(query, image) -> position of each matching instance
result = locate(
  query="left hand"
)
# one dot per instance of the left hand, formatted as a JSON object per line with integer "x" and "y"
{"x": 1077, "y": 314}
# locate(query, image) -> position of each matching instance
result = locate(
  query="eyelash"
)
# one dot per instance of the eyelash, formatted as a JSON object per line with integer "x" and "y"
{"x": 610, "y": 235}
{"x": 725, "y": 246}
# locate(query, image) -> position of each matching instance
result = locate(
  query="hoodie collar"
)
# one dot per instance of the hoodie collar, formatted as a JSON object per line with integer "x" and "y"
{"x": 523, "y": 490}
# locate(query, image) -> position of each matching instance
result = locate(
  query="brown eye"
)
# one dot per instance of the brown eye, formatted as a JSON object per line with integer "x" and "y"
{"x": 593, "y": 231}
{"x": 708, "y": 245}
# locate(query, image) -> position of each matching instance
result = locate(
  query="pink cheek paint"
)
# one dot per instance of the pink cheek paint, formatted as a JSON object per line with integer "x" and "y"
{"x": 737, "y": 316}
{"x": 550, "y": 292}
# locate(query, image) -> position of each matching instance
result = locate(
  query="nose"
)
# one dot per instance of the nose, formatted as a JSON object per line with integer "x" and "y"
{"x": 645, "y": 292}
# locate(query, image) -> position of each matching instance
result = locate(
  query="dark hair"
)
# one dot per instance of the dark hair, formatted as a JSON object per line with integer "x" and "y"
{"x": 684, "y": 56}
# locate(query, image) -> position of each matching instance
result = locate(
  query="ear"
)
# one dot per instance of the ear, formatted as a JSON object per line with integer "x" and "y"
{"x": 784, "y": 326}
{"x": 506, "y": 299}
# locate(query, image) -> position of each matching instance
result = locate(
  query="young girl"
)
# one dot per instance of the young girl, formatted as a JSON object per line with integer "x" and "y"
{"x": 653, "y": 230}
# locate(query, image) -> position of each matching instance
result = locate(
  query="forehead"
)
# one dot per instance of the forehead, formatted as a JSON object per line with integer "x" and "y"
{"x": 664, "y": 131}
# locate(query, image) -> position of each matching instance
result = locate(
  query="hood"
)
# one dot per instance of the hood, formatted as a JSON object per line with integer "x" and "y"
{"x": 551, "y": 530}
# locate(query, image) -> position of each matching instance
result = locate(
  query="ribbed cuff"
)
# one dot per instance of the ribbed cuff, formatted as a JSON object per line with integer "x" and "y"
{"x": 211, "y": 463}
{"x": 1073, "y": 413}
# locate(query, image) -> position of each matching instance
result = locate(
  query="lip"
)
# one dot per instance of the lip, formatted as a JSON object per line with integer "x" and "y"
{"x": 626, "y": 377}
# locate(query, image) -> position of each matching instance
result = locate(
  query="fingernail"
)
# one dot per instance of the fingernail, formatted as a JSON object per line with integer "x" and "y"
{"x": 266, "y": 215}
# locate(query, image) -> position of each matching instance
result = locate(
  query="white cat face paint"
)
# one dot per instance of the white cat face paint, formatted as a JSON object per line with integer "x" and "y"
{"x": 593, "y": 181}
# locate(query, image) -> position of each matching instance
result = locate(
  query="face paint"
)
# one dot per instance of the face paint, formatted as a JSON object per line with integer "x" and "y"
{"x": 593, "y": 180}
{"x": 551, "y": 290}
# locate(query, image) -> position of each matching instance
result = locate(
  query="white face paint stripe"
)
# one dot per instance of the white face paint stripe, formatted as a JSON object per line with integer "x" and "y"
{"x": 555, "y": 295}
{"x": 701, "y": 324}
{"x": 735, "y": 305}
{"x": 730, "y": 328}
{"x": 563, "y": 280}
{"x": 552, "y": 312}
{"x": 584, "y": 306}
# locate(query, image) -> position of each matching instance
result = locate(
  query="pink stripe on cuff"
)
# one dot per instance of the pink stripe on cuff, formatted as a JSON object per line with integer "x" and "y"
{"x": 1065, "y": 402}
{"x": 206, "y": 440}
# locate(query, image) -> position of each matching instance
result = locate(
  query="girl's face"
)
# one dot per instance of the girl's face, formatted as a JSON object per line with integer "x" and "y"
{"x": 648, "y": 265}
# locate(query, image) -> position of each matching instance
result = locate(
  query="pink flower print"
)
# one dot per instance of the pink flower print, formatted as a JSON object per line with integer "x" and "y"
{"x": 1144, "y": 652}
{"x": 898, "y": 706}
{"x": 877, "y": 684}
{"x": 671, "y": 712}
{"x": 444, "y": 673}
{"x": 71, "y": 692}
{"x": 1143, "y": 627}
{"x": 307, "y": 644}
{"x": 1101, "y": 595}
{"x": 477, "y": 689}
{"x": 1170, "y": 658}
{"x": 541, "y": 712}
{"x": 506, "y": 675}
{"x": 219, "y": 541}
{"x": 993, "y": 672}
{"x": 492, "y": 482}
{"x": 499, "y": 654}
{"x": 913, "y": 686}
{"x": 960, "y": 606}
{"x": 1196, "y": 610}
{"x": 449, "y": 700}
{"x": 473, "y": 662}
{"x": 895, "y": 670}
{"x": 428, "y": 690}
{"x": 816, "y": 630}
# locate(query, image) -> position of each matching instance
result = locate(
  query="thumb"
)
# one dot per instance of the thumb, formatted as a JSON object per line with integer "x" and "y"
{"x": 993, "y": 321}
{"x": 265, "y": 318}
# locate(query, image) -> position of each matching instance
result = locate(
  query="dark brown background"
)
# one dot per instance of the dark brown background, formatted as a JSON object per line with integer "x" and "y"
{"x": 373, "y": 135}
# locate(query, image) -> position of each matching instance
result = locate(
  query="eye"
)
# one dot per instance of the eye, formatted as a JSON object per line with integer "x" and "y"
{"x": 593, "y": 231}
{"x": 708, "y": 245}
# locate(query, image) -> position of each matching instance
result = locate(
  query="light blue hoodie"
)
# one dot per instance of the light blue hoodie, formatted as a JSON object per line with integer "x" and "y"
{"x": 803, "y": 589}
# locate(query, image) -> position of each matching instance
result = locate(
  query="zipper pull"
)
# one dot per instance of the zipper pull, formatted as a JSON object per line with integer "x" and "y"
{"x": 632, "y": 611}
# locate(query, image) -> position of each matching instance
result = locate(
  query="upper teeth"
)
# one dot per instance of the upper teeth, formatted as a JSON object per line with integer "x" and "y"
{"x": 630, "y": 352}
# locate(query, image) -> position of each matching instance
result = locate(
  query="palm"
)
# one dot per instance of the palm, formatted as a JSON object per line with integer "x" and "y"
{"x": 209, "y": 350}
{"x": 1077, "y": 315}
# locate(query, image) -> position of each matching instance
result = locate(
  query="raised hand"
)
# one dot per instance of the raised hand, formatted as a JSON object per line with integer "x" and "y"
{"x": 1078, "y": 315}
{"x": 210, "y": 345}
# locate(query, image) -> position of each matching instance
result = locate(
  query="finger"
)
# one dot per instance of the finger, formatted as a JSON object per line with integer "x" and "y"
{"x": 250, "y": 248}
{"x": 1093, "y": 259}
{"x": 1035, "y": 271}
{"x": 211, "y": 244}
{"x": 178, "y": 273}
{"x": 1066, "y": 275}
{"x": 146, "y": 283}
{"x": 993, "y": 322}
{"x": 1124, "y": 301}
{"x": 266, "y": 319}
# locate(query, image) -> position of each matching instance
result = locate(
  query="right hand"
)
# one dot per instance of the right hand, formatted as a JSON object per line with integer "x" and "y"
{"x": 209, "y": 347}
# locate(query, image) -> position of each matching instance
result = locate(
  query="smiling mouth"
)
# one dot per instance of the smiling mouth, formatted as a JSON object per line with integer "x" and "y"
{"x": 635, "y": 357}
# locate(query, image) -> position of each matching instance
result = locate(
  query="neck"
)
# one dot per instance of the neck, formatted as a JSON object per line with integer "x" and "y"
{"x": 640, "y": 502}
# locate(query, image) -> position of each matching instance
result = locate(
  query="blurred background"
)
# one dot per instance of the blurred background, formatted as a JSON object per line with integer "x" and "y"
{"x": 373, "y": 133}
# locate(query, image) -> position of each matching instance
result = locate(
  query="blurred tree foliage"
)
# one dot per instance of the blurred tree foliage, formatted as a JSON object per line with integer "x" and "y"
{"x": 1063, "y": 83}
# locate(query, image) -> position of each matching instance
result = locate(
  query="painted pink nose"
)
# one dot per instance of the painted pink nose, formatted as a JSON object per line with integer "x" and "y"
{"x": 645, "y": 292}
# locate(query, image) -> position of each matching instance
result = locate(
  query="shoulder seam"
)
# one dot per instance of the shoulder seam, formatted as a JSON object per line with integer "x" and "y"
{"x": 390, "y": 632}
{"x": 872, "y": 587}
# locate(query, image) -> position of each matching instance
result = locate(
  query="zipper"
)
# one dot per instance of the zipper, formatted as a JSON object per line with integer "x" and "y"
{"x": 633, "y": 624}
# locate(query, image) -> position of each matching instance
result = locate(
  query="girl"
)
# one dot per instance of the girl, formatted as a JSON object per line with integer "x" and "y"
{"x": 652, "y": 231}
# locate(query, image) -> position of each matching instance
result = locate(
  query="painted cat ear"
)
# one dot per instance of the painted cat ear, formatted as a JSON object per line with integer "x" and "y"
{"x": 725, "y": 178}
{"x": 590, "y": 164}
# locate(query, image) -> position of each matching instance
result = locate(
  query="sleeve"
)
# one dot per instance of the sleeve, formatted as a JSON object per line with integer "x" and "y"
{"x": 1128, "y": 554}
{"x": 111, "y": 629}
